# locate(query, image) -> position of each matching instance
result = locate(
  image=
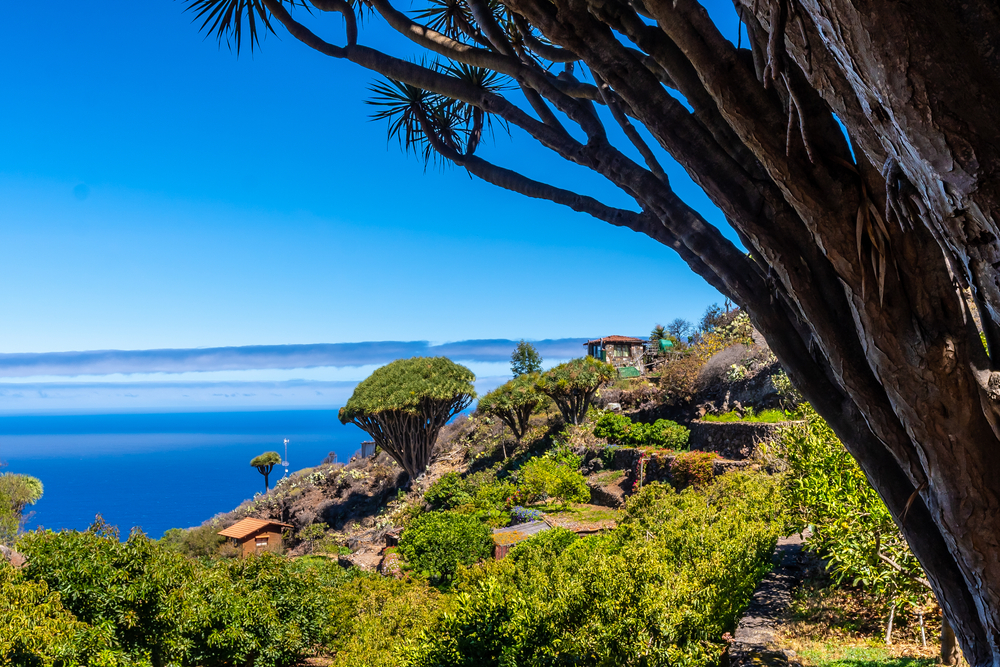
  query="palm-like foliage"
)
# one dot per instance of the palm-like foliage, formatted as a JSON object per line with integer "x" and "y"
{"x": 456, "y": 124}
{"x": 224, "y": 19}
{"x": 449, "y": 17}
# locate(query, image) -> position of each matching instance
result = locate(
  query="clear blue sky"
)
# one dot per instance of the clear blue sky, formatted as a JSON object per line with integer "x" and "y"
{"x": 156, "y": 191}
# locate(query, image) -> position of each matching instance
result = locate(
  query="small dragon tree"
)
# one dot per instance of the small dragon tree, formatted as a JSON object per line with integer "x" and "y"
{"x": 572, "y": 385}
{"x": 403, "y": 405}
{"x": 513, "y": 403}
{"x": 265, "y": 464}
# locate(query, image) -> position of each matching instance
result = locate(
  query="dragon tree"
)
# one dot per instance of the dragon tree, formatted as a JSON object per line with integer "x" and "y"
{"x": 852, "y": 146}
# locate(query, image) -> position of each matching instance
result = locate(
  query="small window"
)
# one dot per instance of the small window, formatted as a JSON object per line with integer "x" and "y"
{"x": 261, "y": 541}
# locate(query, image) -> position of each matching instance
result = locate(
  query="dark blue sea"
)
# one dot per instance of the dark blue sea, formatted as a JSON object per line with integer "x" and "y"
{"x": 160, "y": 471}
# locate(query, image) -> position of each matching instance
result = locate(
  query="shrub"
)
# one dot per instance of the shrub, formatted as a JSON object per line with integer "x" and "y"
{"x": 376, "y": 618}
{"x": 542, "y": 476}
{"x": 661, "y": 589}
{"x": 436, "y": 543}
{"x": 852, "y": 527}
{"x": 765, "y": 416}
{"x": 692, "y": 469}
{"x": 663, "y": 433}
{"x": 201, "y": 542}
{"x": 35, "y": 628}
{"x": 449, "y": 491}
{"x": 162, "y": 608}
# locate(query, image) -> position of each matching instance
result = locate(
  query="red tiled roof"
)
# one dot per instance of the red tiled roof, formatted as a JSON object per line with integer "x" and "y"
{"x": 249, "y": 526}
{"x": 616, "y": 339}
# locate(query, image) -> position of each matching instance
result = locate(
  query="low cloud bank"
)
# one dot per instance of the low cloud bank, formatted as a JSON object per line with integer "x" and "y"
{"x": 106, "y": 362}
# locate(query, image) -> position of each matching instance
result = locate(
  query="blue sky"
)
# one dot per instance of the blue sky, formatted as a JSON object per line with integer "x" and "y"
{"x": 158, "y": 192}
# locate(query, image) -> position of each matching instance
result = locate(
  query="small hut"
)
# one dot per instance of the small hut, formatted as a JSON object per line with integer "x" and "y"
{"x": 622, "y": 352}
{"x": 255, "y": 535}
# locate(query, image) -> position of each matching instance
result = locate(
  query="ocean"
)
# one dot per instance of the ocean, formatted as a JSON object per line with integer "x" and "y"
{"x": 162, "y": 470}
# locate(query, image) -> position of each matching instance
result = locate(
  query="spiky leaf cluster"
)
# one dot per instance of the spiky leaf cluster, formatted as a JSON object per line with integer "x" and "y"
{"x": 572, "y": 385}
{"x": 266, "y": 459}
{"x": 405, "y": 385}
{"x": 412, "y": 113}
{"x": 513, "y": 402}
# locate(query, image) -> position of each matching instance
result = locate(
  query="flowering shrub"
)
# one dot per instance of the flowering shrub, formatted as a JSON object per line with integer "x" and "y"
{"x": 520, "y": 514}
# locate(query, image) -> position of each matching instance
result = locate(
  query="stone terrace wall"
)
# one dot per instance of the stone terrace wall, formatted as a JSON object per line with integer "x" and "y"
{"x": 732, "y": 440}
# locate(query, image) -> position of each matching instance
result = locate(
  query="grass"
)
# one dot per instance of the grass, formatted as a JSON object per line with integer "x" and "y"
{"x": 764, "y": 417}
{"x": 830, "y": 627}
{"x": 608, "y": 477}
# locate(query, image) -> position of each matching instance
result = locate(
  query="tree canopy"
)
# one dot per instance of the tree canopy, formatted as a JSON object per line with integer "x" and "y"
{"x": 853, "y": 147}
{"x": 513, "y": 402}
{"x": 525, "y": 359}
{"x": 264, "y": 463}
{"x": 404, "y": 404}
{"x": 572, "y": 385}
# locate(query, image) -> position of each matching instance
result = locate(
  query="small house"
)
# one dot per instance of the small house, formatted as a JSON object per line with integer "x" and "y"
{"x": 255, "y": 535}
{"x": 623, "y": 352}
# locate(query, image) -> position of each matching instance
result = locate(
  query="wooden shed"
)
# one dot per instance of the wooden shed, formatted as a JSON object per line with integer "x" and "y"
{"x": 256, "y": 535}
{"x": 623, "y": 352}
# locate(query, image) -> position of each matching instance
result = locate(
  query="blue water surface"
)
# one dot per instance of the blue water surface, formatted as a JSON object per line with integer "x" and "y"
{"x": 160, "y": 471}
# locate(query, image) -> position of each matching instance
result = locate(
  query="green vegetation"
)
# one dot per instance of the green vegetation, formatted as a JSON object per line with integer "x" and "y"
{"x": 513, "y": 403}
{"x": 661, "y": 589}
{"x": 16, "y": 493}
{"x": 748, "y": 415}
{"x": 139, "y": 603}
{"x": 436, "y": 543}
{"x": 525, "y": 360}
{"x": 572, "y": 385}
{"x": 852, "y": 527}
{"x": 199, "y": 542}
{"x": 662, "y": 434}
{"x": 545, "y": 477}
{"x": 265, "y": 464}
{"x": 692, "y": 469}
{"x": 403, "y": 405}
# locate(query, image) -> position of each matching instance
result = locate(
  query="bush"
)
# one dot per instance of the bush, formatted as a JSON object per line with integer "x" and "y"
{"x": 35, "y": 628}
{"x": 692, "y": 469}
{"x": 16, "y": 493}
{"x": 765, "y": 416}
{"x": 161, "y": 608}
{"x": 376, "y": 618}
{"x": 448, "y": 492}
{"x": 546, "y": 477}
{"x": 436, "y": 543}
{"x": 661, "y": 589}
{"x": 201, "y": 542}
{"x": 619, "y": 429}
{"x": 852, "y": 527}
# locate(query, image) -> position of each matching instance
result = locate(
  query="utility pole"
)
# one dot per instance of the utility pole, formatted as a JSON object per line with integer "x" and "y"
{"x": 284, "y": 461}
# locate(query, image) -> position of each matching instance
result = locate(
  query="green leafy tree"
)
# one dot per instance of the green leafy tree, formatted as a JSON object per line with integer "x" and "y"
{"x": 436, "y": 543}
{"x": 658, "y": 333}
{"x": 265, "y": 464}
{"x": 513, "y": 403}
{"x": 403, "y": 405}
{"x": 525, "y": 359}
{"x": 16, "y": 492}
{"x": 572, "y": 385}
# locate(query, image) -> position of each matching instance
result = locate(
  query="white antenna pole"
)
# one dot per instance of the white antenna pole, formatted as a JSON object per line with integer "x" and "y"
{"x": 285, "y": 461}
